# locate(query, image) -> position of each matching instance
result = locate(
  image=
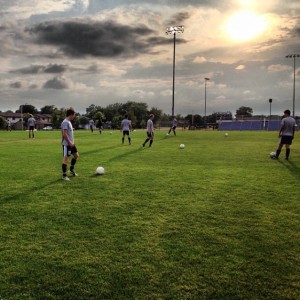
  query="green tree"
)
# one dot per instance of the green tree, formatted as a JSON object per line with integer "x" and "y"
{"x": 227, "y": 115}
{"x": 99, "y": 117}
{"x": 48, "y": 109}
{"x": 58, "y": 116}
{"x": 244, "y": 111}
{"x": 113, "y": 110}
{"x": 76, "y": 121}
{"x": 3, "y": 123}
{"x": 92, "y": 110}
{"x": 157, "y": 113}
{"x": 27, "y": 109}
{"x": 137, "y": 112}
{"x": 83, "y": 120}
{"x": 196, "y": 120}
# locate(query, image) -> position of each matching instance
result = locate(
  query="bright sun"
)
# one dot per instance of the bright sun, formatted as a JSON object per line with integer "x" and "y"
{"x": 245, "y": 25}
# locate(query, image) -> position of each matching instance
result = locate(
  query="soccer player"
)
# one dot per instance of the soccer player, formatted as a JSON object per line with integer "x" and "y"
{"x": 150, "y": 131}
{"x": 8, "y": 125}
{"x": 31, "y": 125}
{"x": 173, "y": 126}
{"x": 68, "y": 145}
{"x": 100, "y": 126}
{"x": 286, "y": 134}
{"x": 92, "y": 124}
{"x": 126, "y": 127}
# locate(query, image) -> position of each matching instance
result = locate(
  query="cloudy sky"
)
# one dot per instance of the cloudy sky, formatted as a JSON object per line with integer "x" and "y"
{"x": 82, "y": 52}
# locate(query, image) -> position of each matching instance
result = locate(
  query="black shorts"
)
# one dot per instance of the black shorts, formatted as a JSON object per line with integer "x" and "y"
{"x": 150, "y": 134}
{"x": 31, "y": 127}
{"x": 68, "y": 151}
{"x": 125, "y": 132}
{"x": 173, "y": 127}
{"x": 286, "y": 140}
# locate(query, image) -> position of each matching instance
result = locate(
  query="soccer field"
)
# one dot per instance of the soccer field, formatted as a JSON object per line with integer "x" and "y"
{"x": 218, "y": 219}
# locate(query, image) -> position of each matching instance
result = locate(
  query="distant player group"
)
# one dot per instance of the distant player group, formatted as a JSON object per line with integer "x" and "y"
{"x": 286, "y": 134}
{"x": 69, "y": 147}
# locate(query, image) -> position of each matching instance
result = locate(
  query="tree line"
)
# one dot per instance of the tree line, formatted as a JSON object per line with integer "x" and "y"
{"x": 113, "y": 114}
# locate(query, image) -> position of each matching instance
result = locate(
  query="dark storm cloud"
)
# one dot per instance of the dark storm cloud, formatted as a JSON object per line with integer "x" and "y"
{"x": 56, "y": 83}
{"x": 107, "y": 39}
{"x": 96, "y": 5}
{"x": 16, "y": 85}
{"x": 37, "y": 69}
{"x": 178, "y": 19}
{"x": 297, "y": 31}
{"x": 54, "y": 68}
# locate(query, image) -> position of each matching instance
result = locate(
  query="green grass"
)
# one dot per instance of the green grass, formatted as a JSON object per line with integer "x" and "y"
{"x": 216, "y": 220}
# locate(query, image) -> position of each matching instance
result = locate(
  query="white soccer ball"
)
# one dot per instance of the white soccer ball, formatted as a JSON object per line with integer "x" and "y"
{"x": 272, "y": 154}
{"x": 181, "y": 146}
{"x": 100, "y": 170}
{"x": 226, "y": 134}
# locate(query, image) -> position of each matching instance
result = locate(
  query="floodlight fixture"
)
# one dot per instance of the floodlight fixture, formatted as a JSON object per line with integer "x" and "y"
{"x": 175, "y": 29}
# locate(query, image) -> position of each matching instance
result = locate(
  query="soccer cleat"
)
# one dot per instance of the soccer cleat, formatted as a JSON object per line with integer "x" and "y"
{"x": 73, "y": 173}
{"x": 65, "y": 178}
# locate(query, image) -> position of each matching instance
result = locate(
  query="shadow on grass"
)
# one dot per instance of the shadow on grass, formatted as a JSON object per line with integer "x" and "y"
{"x": 294, "y": 169}
{"x": 121, "y": 156}
{"x": 98, "y": 150}
{"x": 118, "y": 158}
{"x": 101, "y": 149}
{"x": 29, "y": 191}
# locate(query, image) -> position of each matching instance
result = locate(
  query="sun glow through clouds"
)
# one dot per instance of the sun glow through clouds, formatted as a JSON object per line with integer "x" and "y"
{"x": 245, "y": 25}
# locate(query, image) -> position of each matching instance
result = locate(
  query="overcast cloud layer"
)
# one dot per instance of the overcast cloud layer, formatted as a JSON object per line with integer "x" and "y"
{"x": 82, "y": 52}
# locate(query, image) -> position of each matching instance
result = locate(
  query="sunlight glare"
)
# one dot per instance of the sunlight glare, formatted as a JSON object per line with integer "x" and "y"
{"x": 245, "y": 25}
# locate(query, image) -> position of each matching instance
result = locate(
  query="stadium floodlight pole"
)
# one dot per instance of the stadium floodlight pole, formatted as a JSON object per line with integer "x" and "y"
{"x": 294, "y": 87}
{"x": 22, "y": 117}
{"x": 205, "y": 80}
{"x": 174, "y": 30}
{"x": 270, "y": 101}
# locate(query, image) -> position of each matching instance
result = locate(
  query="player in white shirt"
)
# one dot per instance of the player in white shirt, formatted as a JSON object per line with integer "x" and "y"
{"x": 68, "y": 144}
{"x": 126, "y": 127}
{"x": 92, "y": 125}
{"x": 286, "y": 134}
{"x": 173, "y": 126}
{"x": 31, "y": 125}
{"x": 150, "y": 131}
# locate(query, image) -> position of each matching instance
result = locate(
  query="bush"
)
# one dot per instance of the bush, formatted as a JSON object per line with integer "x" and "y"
{"x": 3, "y": 123}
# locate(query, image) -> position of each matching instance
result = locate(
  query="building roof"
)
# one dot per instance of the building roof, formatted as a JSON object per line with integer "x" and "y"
{"x": 10, "y": 115}
{"x": 19, "y": 115}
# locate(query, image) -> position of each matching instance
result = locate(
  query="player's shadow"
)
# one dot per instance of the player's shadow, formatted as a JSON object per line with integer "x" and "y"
{"x": 123, "y": 155}
{"x": 98, "y": 150}
{"x": 292, "y": 167}
{"x": 25, "y": 192}
{"x": 116, "y": 158}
